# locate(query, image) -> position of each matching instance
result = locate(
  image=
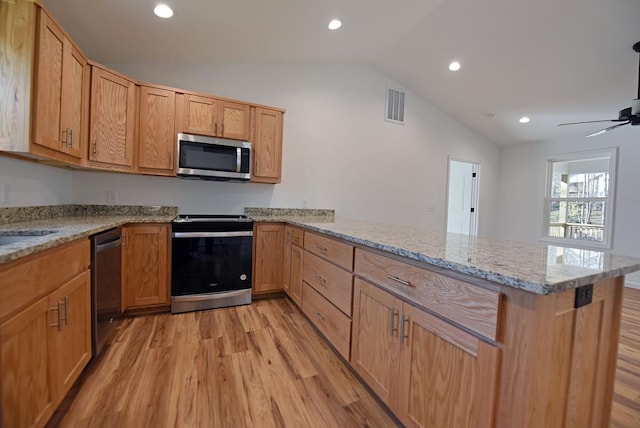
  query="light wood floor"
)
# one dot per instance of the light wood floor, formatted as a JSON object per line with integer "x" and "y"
{"x": 626, "y": 401}
{"x": 260, "y": 366}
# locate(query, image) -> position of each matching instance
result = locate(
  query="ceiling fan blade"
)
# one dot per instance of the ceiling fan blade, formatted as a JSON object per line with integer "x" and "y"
{"x": 593, "y": 121}
{"x": 602, "y": 131}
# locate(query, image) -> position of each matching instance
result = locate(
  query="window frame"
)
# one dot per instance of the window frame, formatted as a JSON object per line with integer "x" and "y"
{"x": 609, "y": 201}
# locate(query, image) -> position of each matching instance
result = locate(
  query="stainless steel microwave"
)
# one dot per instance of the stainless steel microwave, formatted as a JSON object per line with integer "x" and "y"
{"x": 211, "y": 158}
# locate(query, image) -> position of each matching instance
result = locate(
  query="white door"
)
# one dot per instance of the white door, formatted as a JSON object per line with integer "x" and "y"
{"x": 462, "y": 198}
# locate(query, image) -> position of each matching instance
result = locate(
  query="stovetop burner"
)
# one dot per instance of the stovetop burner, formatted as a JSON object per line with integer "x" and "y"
{"x": 203, "y": 218}
{"x": 211, "y": 223}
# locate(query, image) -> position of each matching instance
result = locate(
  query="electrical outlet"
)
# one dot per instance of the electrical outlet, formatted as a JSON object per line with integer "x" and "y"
{"x": 584, "y": 296}
{"x": 4, "y": 193}
{"x": 304, "y": 203}
{"x": 112, "y": 196}
{"x": 431, "y": 208}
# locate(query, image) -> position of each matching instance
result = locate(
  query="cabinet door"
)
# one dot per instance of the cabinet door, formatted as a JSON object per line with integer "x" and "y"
{"x": 295, "y": 289}
{"x": 200, "y": 115}
{"x": 447, "y": 376}
{"x": 157, "y": 136}
{"x": 267, "y": 146}
{"x": 234, "y": 120}
{"x": 47, "y": 125}
{"x": 145, "y": 266}
{"x": 374, "y": 346}
{"x": 112, "y": 120}
{"x": 70, "y": 347}
{"x": 268, "y": 257}
{"x": 27, "y": 394}
{"x": 74, "y": 105}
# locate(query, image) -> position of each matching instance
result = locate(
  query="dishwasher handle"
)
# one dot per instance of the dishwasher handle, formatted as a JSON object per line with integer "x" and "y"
{"x": 109, "y": 245}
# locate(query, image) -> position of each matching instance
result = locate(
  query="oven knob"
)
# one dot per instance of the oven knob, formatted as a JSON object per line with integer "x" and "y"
{"x": 243, "y": 277}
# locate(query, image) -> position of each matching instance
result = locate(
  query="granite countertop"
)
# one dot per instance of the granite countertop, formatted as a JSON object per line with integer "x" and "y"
{"x": 538, "y": 268}
{"x": 71, "y": 224}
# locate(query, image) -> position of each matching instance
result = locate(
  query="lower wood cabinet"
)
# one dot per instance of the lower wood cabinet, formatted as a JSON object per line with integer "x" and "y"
{"x": 145, "y": 266}
{"x": 427, "y": 371}
{"x": 46, "y": 344}
{"x": 268, "y": 257}
{"x": 293, "y": 256}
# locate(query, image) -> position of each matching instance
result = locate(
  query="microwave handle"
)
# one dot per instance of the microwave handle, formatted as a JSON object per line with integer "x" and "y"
{"x": 238, "y": 159}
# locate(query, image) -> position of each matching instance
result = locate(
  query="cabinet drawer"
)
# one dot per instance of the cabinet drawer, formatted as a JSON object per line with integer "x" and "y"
{"x": 25, "y": 280}
{"x": 293, "y": 235}
{"x": 471, "y": 306}
{"x": 335, "y": 325}
{"x": 335, "y": 284}
{"x": 330, "y": 249}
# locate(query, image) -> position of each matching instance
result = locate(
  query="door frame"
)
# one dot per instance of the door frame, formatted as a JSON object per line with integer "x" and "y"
{"x": 475, "y": 191}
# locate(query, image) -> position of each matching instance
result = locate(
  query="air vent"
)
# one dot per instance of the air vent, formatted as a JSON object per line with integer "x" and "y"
{"x": 395, "y": 106}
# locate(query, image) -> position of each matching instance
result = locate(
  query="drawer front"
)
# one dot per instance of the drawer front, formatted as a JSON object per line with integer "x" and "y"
{"x": 471, "y": 306}
{"x": 335, "y": 284}
{"x": 335, "y": 325}
{"x": 294, "y": 235}
{"x": 330, "y": 249}
{"x": 25, "y": 280}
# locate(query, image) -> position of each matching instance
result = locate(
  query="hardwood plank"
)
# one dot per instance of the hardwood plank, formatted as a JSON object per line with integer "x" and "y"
{"x": 258, "y": 365}
{"x": 626, "y": 399}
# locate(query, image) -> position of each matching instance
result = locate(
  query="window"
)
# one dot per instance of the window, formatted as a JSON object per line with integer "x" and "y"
{"x": 579, "y": 199}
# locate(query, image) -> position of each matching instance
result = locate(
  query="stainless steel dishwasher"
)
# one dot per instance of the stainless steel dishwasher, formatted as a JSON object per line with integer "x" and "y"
{"x": 106, "y": 270}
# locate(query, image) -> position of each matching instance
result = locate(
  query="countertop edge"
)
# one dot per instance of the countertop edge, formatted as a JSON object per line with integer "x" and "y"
{"x": 539, "y": 288}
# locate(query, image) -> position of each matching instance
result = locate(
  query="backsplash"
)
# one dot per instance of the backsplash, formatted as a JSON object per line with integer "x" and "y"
{"x": 44, "y": 212}
{"x": 288, "y": 212}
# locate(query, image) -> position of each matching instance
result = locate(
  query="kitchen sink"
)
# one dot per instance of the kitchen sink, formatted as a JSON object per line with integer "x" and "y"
{"x": 13, "y": 236}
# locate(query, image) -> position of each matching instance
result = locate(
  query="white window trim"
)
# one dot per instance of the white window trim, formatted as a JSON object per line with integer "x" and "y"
{"x": 607, "y": 244}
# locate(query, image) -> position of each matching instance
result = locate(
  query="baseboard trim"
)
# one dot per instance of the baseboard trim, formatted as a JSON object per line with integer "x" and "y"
{"x": 632, "y": 285}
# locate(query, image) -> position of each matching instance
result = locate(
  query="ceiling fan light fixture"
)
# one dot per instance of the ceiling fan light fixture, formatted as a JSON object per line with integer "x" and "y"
{"x": 524, "y": 119}
{"x": 334, "y": 24}
{"x": 454, "y": 66}
{"x": 163, "y": 11}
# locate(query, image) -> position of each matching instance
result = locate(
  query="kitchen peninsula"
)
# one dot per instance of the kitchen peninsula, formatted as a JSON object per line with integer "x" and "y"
{"x": 443, "y": 328}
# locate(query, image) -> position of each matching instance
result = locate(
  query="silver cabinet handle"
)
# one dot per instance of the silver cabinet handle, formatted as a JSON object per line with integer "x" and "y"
{"x": 320, "y": 317}
{"x": 321, "y": 248}
{"x": 404, "y": 333}
{"x": 59, "y": 324}
{"x": 65, "y": 133}
{"x": 95, "y": 148}
{"x": 400, "y": 281}
{"x": 70, "y": 143}
{"x": 321, "y": 279}
{"x": 222, "y": 130}
{"x": 391, "y": 317}
{"x": 66, "y": 310}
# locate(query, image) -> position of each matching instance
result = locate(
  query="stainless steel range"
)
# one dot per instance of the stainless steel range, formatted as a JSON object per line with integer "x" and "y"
{"x": 211, "y": 262}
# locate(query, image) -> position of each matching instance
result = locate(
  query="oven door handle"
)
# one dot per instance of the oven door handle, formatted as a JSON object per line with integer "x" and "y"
{"x": 210, "y": 234}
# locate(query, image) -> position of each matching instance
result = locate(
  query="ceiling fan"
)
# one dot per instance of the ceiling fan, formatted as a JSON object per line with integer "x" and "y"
{"x": 629, "y": 115}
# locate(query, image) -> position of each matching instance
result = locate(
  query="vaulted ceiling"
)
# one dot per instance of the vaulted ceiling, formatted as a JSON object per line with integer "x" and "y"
{"x": 552, "y": 60}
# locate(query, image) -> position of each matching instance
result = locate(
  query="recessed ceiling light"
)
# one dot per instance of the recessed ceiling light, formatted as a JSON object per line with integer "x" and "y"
{"x": 525, "y": 119}
{"x": 335, "y": 24}
{"x": 163, "y": 11}
{"x": 454, "y": 66}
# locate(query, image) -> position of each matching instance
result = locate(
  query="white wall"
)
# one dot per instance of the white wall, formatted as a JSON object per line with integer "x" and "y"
{"x": 338, "y": 150}
{"x": 29, "y": 184}
{"x": 522, "y": 181}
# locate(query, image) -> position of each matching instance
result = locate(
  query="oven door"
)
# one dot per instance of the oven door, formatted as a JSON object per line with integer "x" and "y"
{"x": 211, "y": 262}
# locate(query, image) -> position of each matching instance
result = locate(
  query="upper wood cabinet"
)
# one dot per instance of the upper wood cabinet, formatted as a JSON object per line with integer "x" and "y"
{"x": 112, "y": 124}
{"x": 61, "y": 95}
{"x": 156, "y": 134}
{"x": 267, "y": 145}
{"x": 268, "y": 257}
{"x": 145, "y": 266}
{"x": 213, "y": 117}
